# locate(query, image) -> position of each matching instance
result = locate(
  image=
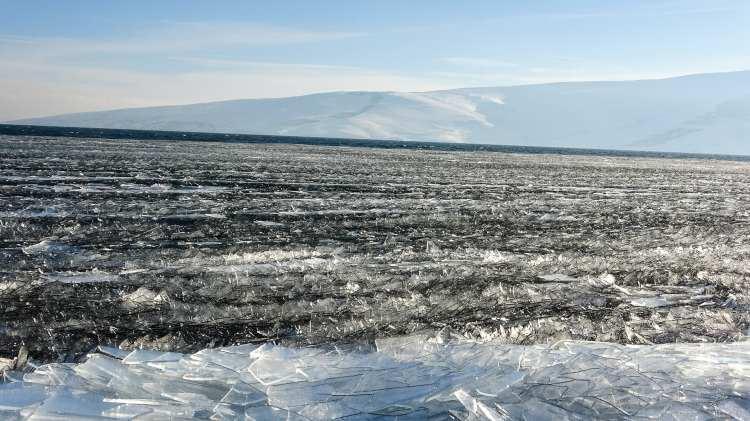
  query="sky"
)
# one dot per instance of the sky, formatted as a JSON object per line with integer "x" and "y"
{"x": 71, "y": 56}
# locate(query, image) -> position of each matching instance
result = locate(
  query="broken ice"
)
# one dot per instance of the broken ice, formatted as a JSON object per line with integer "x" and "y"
{"x": 414, "y": 377}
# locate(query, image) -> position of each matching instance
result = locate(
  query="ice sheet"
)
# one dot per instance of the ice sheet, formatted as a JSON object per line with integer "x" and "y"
{"x": 139, "y": 244}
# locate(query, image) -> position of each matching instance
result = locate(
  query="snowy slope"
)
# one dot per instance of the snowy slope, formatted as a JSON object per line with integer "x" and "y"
{"x": 697, "y": 113}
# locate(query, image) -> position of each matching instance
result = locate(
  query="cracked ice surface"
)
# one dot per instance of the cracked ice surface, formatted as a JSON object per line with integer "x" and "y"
{"x": 180, "y": 246}
{"x": 416, "y": 377}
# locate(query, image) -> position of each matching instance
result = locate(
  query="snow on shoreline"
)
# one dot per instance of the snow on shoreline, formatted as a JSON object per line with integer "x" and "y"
{"x": 413, "y": 377}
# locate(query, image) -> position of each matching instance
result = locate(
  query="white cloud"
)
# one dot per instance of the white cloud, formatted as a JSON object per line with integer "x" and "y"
{"x": 477, "y": 62}
{"x": 169, "y": 38}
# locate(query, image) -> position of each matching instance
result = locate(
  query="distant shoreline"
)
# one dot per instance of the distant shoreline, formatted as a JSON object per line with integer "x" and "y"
{"x": 103, "y": 133}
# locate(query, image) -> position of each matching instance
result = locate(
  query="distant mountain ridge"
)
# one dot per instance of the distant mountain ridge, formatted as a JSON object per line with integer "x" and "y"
{"x": 704, "y": 113}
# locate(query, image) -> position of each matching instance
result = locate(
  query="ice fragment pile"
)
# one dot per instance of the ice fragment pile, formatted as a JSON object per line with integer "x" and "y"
{"x": 415, "y": 377}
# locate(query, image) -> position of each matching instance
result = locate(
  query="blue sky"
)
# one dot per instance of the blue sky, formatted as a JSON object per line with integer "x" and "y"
{"x": 70, "y": 56}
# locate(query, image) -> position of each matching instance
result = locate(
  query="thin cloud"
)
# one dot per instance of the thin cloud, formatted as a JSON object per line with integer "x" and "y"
{"x": 651, "y": 10}
{"x": 214, "y": 63}
{"x": 171, "y": 38}
{"x": 477, "y": 62}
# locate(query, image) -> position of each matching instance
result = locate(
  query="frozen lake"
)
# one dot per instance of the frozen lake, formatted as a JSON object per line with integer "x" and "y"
{"x": 182, "y": 245}
{"x": 428, "y": 283}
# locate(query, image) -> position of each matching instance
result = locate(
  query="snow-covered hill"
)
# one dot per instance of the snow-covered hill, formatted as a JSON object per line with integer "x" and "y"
{"x": 698, "y": 113}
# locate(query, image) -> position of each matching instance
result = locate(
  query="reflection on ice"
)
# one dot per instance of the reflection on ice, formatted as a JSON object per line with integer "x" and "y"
{"x": 649, "y": 302}
{"x": 412, "y": 377}
{"x": 91, "y": 277}
{"x": 48, "y": 247}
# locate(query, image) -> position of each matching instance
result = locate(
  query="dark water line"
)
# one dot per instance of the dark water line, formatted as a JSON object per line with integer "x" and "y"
{"x": 86, "y": 132}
